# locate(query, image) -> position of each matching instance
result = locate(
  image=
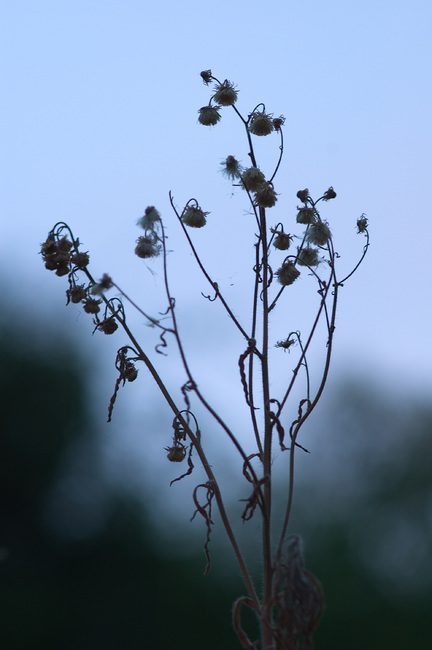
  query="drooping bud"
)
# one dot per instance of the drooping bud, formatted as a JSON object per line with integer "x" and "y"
{"x": 176, "y": 454}
{"x": 278, "y": 122}
{"x": 130, "y": 373}
{"x": 209, "y": 115}
{"x": 62, "y": 269}
{"x": 56, "y": 254}
{"x": 62, "y": 257}
{"x": 91, "y": 306}
{"x": 147, "y": 247}
{"x": 362, "y": 224}
{"x": 50, "y": 263}
{"x": 286, "y": 344}
{"x": 80, "y": 260}
{"x": 64, "y": 245}
{"x": 103, "y": 285}
{"x": 318, "y": 233}
{"x": 308, "y": 257}
{"x": 231, "y": 168}
{"x": 76, "y": 294}
{"x": 306, "y": 215}
{"x": 265, "y": 196}
{"x": 108, "y": 326}
{"x": 329, "y": 194}
{"x": 149, "y": 218}
{"x": 252, "y": 179}
{"x": 303, "y": 195}
{"x": 282, "y": 241}
{"x": 287, "y": 273}
{"x": 49, "y": 247}
{"x": 225, "y": 94}
{"x": 261, "y": 124}
{"x": 206, "y": 76}
{"x": 194, "y": 217}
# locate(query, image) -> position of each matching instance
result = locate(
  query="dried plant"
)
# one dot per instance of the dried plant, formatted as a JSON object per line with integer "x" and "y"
{"x": 289, "y": 602}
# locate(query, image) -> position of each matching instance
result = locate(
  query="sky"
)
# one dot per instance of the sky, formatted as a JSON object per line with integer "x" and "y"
{"x": 99, "y": 120}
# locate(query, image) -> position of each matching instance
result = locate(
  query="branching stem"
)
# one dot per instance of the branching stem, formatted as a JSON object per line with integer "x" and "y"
{"x": 272, "y": 606}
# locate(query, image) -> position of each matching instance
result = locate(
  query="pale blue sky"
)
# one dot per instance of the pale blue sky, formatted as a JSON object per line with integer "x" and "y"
{"x": 99, "y": 120}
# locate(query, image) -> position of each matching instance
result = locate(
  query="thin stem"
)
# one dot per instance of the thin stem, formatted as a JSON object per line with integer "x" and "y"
{"x": 365, "y": 250}
{"x": 196, "y": 442}
{"x": 303, "y": 418}
{"x": 190, "y": 376}
{"x": 267, "y": 591}
{"x": 251, "y": 149}
{"x": 273, "y": 305}
{"x": 308, "y": 342}
{"x": 251, "y": 357}
{"x": 279, "y": 293}
{"x": 280, "y": 156}
{"x": 154, "y": 321}
{"x": 213, "y": 284}
{"x": 177, "y": 412}
{"x": 304, "y": 363}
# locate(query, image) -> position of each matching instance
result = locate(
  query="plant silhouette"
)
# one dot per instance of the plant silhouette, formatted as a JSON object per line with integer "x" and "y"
{"x": 289, "y": 602}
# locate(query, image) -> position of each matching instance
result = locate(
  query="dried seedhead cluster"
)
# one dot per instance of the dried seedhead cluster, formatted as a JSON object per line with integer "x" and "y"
{"x": 289, "y": 603}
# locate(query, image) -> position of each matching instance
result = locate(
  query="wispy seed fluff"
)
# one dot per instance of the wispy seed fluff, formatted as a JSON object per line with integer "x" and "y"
{"x": 318, "y": 233}
{"x": 252, "y": 178}
{"x": 209, "y": 115}
{"x": 287, "y": 273}
{"x": 308, "y": 257}
{"x": 282, "y": 241}
{"x": 265, "y": 196}
{"x": 306, "y": 215}
{"x": 231, "y": 168}
{"x": 261, "y": 124}
{"x": 149, "y": 218}
{"x": 225, "y": 94}
{"x": 194, "y": 217}
{"x": 146, "y": 247}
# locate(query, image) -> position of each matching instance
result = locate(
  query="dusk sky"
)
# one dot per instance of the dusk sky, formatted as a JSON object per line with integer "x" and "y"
{"x": 99, "y": 120}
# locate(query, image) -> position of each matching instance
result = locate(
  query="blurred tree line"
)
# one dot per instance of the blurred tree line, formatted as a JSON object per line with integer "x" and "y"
{"x": 367, "y": 526}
